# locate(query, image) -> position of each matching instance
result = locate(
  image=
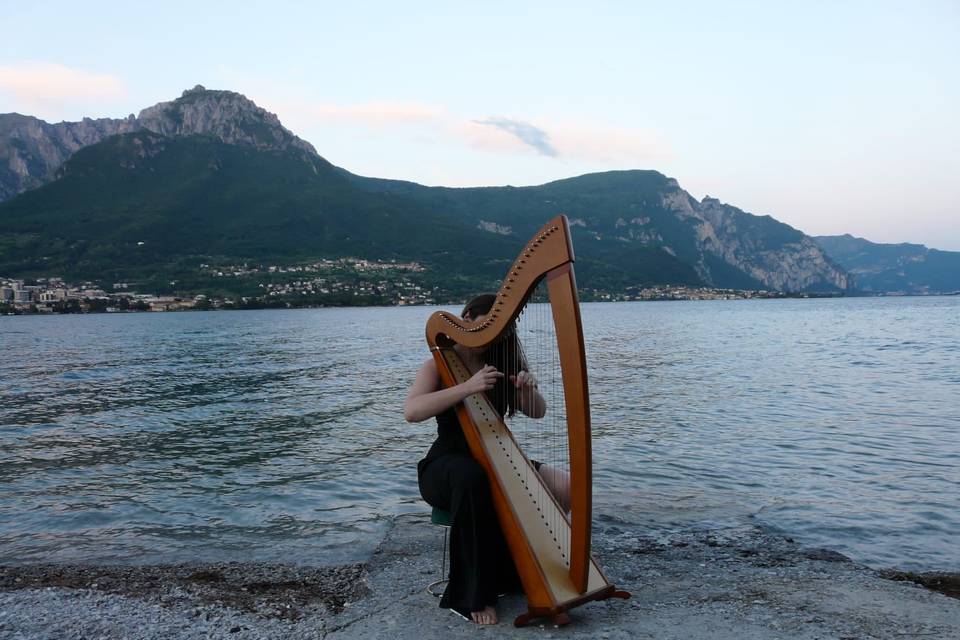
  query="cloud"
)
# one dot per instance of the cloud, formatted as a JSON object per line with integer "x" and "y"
{"x": 525, "y": 132}
{"x": 610, "y": 145}
{"x": 584, "y": 141}
{"x": 568, "y": 140}
{"x": 45, "y": 86}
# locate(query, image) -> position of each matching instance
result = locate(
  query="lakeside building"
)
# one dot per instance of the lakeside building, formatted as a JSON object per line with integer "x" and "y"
{"x": 53, "y": 295}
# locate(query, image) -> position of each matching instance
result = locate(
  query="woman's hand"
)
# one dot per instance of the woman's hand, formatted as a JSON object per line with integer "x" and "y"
{"x": 483, "y": 380}
{"x": 524, "y": 380}
{"x": 529, "y": 400}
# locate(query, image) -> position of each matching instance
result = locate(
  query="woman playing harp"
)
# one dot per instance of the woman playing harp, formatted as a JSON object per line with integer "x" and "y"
{"x": 450, "y": 479}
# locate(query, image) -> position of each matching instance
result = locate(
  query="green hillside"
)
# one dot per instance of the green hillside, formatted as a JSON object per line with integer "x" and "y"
{"x": 142, "y": 206}
{"x": 599, "y": 200}
{"x": 596, "y": 200}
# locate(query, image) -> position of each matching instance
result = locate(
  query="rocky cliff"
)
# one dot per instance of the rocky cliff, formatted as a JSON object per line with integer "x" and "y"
{"x": 31, "y": 150}
{"x": 230, "y": 117}
{"x": 772, "y": 253}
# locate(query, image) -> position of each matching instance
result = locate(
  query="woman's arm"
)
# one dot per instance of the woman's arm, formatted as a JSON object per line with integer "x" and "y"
{"x": 425, "y": 401}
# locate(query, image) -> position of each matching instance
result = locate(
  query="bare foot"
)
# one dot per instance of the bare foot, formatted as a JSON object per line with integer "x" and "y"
{"x": 487, "y": 616}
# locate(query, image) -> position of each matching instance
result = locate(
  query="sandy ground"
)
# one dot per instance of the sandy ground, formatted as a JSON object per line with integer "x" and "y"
{"x": 736, "y": 584}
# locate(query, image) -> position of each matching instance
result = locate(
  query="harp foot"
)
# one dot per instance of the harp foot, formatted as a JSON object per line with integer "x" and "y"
{"x": 558, "y": 619}
{"x": 561, "y": 619}
{"x": 523, "y": 619}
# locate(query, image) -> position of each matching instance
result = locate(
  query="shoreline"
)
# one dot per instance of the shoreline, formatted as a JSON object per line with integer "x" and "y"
{"x": 737, "y": 583}
{"x": 280, "y": 307}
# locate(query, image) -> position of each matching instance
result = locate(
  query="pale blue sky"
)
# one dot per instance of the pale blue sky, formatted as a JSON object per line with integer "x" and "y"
{"x": 835, "y": 117}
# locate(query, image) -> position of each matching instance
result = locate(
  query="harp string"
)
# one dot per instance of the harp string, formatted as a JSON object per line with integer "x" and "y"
{"x": 535, "y": 351}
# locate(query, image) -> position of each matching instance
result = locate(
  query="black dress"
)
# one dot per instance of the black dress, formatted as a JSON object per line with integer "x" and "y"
{"x": 450, "y": 479}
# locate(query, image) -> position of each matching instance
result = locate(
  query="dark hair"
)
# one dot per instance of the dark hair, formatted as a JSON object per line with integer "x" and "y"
{"x": 505, "y": 354}
{"x": 479, "y": 305}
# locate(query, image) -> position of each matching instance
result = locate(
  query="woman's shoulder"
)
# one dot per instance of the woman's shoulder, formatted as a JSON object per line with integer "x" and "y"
{"x": 428, "y": 371}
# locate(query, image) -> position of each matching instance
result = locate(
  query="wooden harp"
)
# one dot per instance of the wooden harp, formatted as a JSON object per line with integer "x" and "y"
{"x": 550, "y": 548}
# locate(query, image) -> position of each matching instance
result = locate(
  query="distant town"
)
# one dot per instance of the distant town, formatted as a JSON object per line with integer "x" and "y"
{"x": 328, "y": 282}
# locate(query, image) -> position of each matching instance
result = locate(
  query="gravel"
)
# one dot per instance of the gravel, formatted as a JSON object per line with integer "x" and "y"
{"x": 740, "y": 583}
{"x": 235, "y": 600}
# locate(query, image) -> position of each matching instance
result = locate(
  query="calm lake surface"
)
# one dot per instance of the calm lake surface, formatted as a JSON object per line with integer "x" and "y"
{"x": 278, "y": 435}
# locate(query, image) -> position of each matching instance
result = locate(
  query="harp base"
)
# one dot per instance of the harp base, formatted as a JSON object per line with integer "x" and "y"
{"x": 559, "y": 615}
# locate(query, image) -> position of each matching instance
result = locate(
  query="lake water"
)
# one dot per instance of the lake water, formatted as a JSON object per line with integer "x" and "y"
{"x": 278, "y": 435}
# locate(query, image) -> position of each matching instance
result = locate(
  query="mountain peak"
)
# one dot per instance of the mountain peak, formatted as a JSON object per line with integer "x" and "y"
{"x": 226, "y": 115}
{"x": 32, "y": 150}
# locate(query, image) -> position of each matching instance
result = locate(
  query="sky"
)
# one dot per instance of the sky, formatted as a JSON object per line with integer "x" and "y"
{"x": 834, "y": 117}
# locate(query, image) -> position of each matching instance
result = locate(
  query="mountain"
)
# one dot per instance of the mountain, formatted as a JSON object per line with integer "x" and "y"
{"x": 901, "y": 268}
{"x": 212, "y": 175}
{"x": 142, "y": 202}
{"x": 619, "y": 215}
{"x": 32, "y": 150}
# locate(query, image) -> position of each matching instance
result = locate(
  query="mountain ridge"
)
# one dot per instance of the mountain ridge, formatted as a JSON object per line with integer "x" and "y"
{"x": 631, "y": 228}
{"x": 894, "y": 268}
{"x": 713, "y": 237}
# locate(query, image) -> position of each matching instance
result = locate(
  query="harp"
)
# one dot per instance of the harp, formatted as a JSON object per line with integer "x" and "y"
{"x": 550, "y": 548}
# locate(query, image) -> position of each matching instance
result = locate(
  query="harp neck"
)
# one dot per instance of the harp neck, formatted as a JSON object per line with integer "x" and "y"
{"x": 548, "y": 250}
